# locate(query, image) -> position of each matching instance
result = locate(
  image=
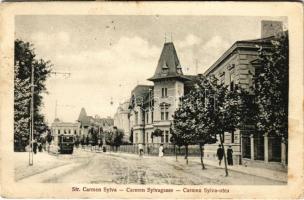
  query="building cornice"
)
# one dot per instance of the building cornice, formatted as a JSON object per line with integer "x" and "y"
{"x": 239, "y": 45}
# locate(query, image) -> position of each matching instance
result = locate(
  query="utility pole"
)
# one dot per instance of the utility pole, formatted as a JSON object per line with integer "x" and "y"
{"x": 31, "y": 160}
{"x": 32, "y": 113}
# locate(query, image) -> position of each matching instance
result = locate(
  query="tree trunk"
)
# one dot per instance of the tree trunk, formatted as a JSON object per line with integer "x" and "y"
{"x": 225, "y": 160}
{"x": 186, "y": 154}
{"x": 202, "y": 155}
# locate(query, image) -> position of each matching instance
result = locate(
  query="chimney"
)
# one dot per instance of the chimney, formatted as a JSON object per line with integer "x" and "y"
{"x": 271, "y": 28}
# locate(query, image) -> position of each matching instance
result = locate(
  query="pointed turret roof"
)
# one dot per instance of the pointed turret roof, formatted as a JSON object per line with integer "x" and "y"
{"x": 168, "y": 64}
{"x": 82, "y": 116}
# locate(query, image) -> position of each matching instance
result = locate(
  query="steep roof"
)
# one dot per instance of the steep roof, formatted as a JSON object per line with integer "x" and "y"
{"x": 168, "y": 64}
{"x": 139, "y": 94}
{"x": 83, "y": 118}
{"x": 82, "y": 114}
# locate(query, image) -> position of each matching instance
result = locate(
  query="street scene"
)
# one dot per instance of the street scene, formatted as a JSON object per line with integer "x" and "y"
{"x": 120, "y": 168}
{"x": 110, "y": 100}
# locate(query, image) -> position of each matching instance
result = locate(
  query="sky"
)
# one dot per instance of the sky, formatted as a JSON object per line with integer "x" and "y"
{"x": 107, "y": 56}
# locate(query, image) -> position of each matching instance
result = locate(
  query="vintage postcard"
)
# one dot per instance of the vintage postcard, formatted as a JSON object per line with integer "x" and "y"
{"x": 151, "y": 100}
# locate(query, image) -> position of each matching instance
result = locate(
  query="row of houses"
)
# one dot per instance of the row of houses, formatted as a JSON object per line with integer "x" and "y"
{"x": 82, "y": 127}
{"x": 151, "y": 107}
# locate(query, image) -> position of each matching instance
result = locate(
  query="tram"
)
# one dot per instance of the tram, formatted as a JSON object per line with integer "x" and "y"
{"x": 66, "y": 143}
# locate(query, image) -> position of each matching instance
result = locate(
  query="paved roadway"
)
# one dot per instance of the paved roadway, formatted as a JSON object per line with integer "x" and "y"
{"x": 91, "y": 167}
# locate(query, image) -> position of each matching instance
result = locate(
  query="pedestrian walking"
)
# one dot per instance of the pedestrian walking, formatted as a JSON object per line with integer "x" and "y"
{"x": 141, "y": 150}
{"x": 161, "y": 150}
{"x": 229, "y": 156}
{"x": 35, "y": 146}
{"x": 220, "y": 154}
{"x": 40, "y": 147}
{"x": 99, "y": 144}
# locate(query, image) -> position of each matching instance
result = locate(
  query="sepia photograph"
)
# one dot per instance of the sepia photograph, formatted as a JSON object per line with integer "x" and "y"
{"x": 144, "y": 102}
{"x": 100, "y": 99}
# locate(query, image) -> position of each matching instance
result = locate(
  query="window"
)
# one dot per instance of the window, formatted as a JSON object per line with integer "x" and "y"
{"x": 165, "y": 68}
{"x": 152, "y": 116}
{"x": 147, "y": 117}
{"x": 75, "y": 132}
{"x": 58, "y": 131}
{"x": 164, "y": 92}
{"x": 162, "y": 138}
{"x": 69, "y": 131}
{"x": 231, "y": 84}
{"x": 136, "y": 118}
{"x": 164, "y": 114}
{"x": 232, "y": 137}
{"x": 167, "y": 115}
{"x": 167, "y": 136}
{"x": 143, "y": 117}
{"x": 222, "y": 78}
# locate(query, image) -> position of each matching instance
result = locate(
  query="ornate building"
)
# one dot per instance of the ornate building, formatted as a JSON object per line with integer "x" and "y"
{"x": 58, "y": 127}
{"x": 152, "y": 107}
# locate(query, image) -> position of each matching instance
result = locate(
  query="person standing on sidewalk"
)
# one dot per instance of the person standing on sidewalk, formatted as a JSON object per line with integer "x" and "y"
{"x": 220, "y": 154}
{"x": 229, "y": 156}
{"x": 161, "y": 150}
{"x": 141, "y": 150}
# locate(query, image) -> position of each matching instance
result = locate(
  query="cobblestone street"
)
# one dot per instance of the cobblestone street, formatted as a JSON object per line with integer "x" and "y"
{"x": 90, "y": 167}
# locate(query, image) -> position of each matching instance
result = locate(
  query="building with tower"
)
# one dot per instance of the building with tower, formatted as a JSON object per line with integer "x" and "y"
{"x": 152, "y": 106}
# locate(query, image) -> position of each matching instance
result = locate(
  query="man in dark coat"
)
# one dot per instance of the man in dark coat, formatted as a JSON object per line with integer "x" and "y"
{"x": 229, "y": 156}
{"x": 35, "y": 145}
{"x": 220, "y": 154}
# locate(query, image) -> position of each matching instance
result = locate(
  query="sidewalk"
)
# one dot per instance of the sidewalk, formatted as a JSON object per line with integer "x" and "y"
{"x": 255, "y": 171}
{"x": 42, "y": 162}
{"x": 261, "y": 172}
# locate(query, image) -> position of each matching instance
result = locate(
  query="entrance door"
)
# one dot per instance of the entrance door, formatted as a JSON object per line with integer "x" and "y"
{"x": 246, "y": 146}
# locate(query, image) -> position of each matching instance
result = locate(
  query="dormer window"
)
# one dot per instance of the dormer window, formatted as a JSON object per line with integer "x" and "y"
{"x": 179, "y": 69}
{"x": 165, "y": 65}
{"x": 165, "y": 68}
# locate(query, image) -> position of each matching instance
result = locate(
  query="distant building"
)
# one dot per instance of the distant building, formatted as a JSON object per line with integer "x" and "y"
{"x": 58, "y": 127}
{"x": 121, "y": 119}
{"x": 87, "y": 123}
